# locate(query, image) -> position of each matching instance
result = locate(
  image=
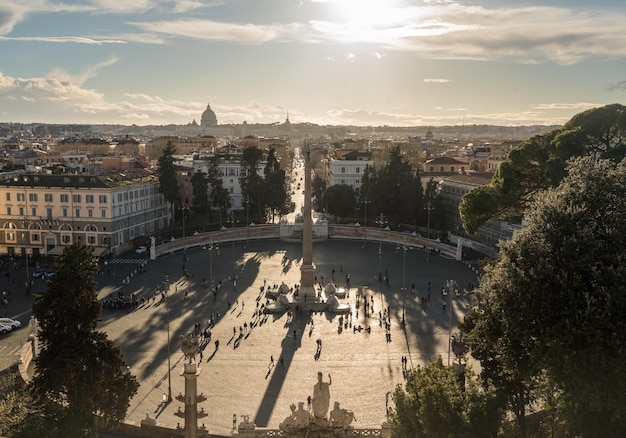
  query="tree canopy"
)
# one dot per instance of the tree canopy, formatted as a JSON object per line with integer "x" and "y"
{"x": 540, "y": 163}
{"x": 552, "y": 308}
{"x": 438, "y": 402}
{"x": 81, "y": 376}
{"x": 168, "y": 185}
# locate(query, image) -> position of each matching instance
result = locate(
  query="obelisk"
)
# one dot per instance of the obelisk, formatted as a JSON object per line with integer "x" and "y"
{"x": 307, "y": 288}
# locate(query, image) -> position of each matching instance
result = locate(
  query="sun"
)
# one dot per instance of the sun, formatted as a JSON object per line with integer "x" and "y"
{"x": 365, "y": 12}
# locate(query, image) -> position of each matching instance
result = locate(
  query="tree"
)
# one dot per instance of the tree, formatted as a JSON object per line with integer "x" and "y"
{"x": 339, "y": 200}
{"x": 168, "y": 185}
{"x": 436, "y": 403}
{"x": 253, "y": 187}
{"x": 540, "y": 163}
{"x": 200, "y": 187}
{"x": 220, "y": 197}
{"x": 275, "y": 182}
{"x": 554, "y": 301}
{"x": 80, "y": 375}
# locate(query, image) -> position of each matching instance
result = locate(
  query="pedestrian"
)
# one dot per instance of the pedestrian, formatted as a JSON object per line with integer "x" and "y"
{"x": 234, "y": 421}
{"x": 271, "y": 359}
{"x": 200, "y": 355}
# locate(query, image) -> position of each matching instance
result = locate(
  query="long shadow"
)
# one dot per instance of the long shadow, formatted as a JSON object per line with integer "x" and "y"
{"x": 289, "y": 346}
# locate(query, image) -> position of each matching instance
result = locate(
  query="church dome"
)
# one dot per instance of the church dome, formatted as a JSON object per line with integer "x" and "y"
{"x": 208, "y": 117}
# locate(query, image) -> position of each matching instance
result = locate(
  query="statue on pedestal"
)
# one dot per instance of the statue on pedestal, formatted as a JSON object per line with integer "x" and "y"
{"x": 189, "y": 345}
{"x": 321, "y": 397}
{"x": 290, "y": 422}
{"x": 302, "y": 417}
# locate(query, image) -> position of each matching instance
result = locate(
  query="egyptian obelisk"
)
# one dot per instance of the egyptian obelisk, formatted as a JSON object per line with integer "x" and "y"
{"x": 307, "y": 288}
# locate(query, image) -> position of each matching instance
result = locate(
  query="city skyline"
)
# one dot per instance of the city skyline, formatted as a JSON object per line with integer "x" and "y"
{"x": 329, "y": 62}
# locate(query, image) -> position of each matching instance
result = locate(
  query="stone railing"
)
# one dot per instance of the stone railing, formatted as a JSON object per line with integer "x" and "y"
{"x": 248, "y": 432}
{"x": 290, "y": 231}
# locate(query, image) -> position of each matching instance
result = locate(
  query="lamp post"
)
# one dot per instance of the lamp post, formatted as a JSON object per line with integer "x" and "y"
{"x": 429, "y": 207}
{"x": 183, "y": 210}
{"x": 169, "y": 365}
{"x": 404, "y": 248}
{"x": 365, "y": 202}
{"x": 380, "y": 221}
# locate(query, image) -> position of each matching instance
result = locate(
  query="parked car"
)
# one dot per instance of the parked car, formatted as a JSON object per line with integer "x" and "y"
{"x": 14, "y": 323}
{"x": 49, "y": 274}
{"x": 141, "y": 250}
{"x": 5, "y": 328}
{"x": 38, "y": 273}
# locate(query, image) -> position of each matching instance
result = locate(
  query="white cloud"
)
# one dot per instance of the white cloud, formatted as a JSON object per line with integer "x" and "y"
{"x": 68, "y": 39}
{"x": 216, "y": 31}
{"x": 436, "y": 81}
{"x": 567, "y": 106}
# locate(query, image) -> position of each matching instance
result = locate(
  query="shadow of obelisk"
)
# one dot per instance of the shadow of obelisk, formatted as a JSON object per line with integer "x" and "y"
{"x": 307, "y": 288}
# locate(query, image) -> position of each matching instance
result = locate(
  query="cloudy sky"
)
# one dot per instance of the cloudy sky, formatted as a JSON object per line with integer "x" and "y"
{"x": 361, "y": 62}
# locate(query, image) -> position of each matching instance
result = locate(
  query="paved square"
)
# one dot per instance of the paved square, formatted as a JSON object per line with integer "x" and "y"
{"x": 239, "y": 376}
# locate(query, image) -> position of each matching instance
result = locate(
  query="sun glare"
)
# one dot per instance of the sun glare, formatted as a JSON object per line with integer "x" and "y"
{"x": 364, "y": 12}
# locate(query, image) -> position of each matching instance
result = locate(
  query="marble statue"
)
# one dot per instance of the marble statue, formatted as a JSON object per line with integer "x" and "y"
{"x": 290, "y": 422}
{"x": 189, "y": 345}
{"x": 340, "y": 417}
{"x": 321, "y": 397}
{"x": 301, "y": 417}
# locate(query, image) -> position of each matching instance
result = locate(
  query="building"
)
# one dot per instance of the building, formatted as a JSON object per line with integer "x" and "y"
{"x": 347, "y": 167}
{"x": 43, "y": 213}
{"x": 451, "y": 190}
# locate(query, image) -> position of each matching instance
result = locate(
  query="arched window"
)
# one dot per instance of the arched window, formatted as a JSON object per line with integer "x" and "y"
{"x": 91, "y": 228}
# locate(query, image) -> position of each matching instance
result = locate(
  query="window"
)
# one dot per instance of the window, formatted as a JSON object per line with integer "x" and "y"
{"x": 103, "y": 213}
{"x": 89, "y": 199}
{"x": 20, "y": 197}
{"x": 34, "y": 211}
{"x": 35, "y": 237}
{"x": 22, "y": 211}
{"x": 343, "y": 170}
{"x": 90, "y": 213}
{"x": 8, "y": 196}
{"x": 76, "y": 198}
{"x": 65, "y": 238}
{"x": 77, "y": 212}
{"x": 9, "y": 211}
{"x": 119, "y": 197}
{"x": 32, "y": 197}
{"x": 65, "y": 198}
{"x": 65, "y": 212}
{"x": 102, "y": 199}
{"x": 91, "y": 240}
{"x": 358, "y": 170}
{"x": 48, "y": 197}
{"x": 49, "y": 213}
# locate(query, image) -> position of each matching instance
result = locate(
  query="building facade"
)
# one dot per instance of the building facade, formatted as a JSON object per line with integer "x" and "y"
{"x": 347, "y": 168}
{"x": 43, "y": 213}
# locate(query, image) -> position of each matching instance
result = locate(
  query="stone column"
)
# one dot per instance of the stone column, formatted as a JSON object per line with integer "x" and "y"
{"x": 191, "y": 373}
{"x": 307, "y": 288}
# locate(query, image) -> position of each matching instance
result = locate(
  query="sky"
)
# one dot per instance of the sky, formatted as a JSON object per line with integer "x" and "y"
{"x": 329, "y": 62}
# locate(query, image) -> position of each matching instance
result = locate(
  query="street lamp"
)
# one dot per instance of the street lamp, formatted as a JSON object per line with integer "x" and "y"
{"x": 365, "y": 202}
{"x": 429, "y": 207}
{"x": 169, "y": 365}
{"x": 183, "y": 210}
{"x": 380, "y": 221}
{"x": 403, "y": 280}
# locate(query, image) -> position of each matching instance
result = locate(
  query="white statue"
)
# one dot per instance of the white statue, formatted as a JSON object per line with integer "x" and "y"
{"x": 301, "y": 417}
{"x": 321, "y": 397}
{"x": 290, "y": 422}
{"x": 340, "y": 417}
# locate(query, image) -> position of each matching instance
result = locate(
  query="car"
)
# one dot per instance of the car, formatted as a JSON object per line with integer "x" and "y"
{"x": 141, "y": 250}
{"x": 38, "y": 273}
{"x": 14, "y": 323}
{"x": 48, "y": 274}
{"x": 5, "y": 328}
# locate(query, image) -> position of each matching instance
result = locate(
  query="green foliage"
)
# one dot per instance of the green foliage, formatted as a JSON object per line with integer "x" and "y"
{"x": 553, "y": 305}
{"x": 339, "y": 200}
{"x": 167, "y": 175}
{"x": 275, "y": 182}
{"x": 540, "y": 163}
{"x": 200, "y": 187}
{"x": 80, "y": 374}
{"x": 220, "y": 197}
{"x": 253, "y": 187}
{"x": 435, "y": 403}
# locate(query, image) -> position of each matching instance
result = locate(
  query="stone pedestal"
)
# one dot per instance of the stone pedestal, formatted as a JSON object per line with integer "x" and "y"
{"x": 191, "y": 373}
{"x": 307, "y": 286}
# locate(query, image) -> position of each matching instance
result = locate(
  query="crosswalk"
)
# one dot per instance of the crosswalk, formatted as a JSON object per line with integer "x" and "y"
{"x": 126, "y": 261}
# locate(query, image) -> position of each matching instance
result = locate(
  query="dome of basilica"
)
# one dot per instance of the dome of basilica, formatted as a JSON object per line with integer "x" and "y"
{"x": 208, "y": 117}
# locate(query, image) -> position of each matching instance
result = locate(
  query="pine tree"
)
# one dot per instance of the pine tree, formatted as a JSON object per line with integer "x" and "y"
{"x": 80, "y": 375}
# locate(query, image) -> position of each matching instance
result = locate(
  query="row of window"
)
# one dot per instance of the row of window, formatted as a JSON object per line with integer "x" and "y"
{"x": 65, "y": 212}
{"x": 63, "y": 197}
